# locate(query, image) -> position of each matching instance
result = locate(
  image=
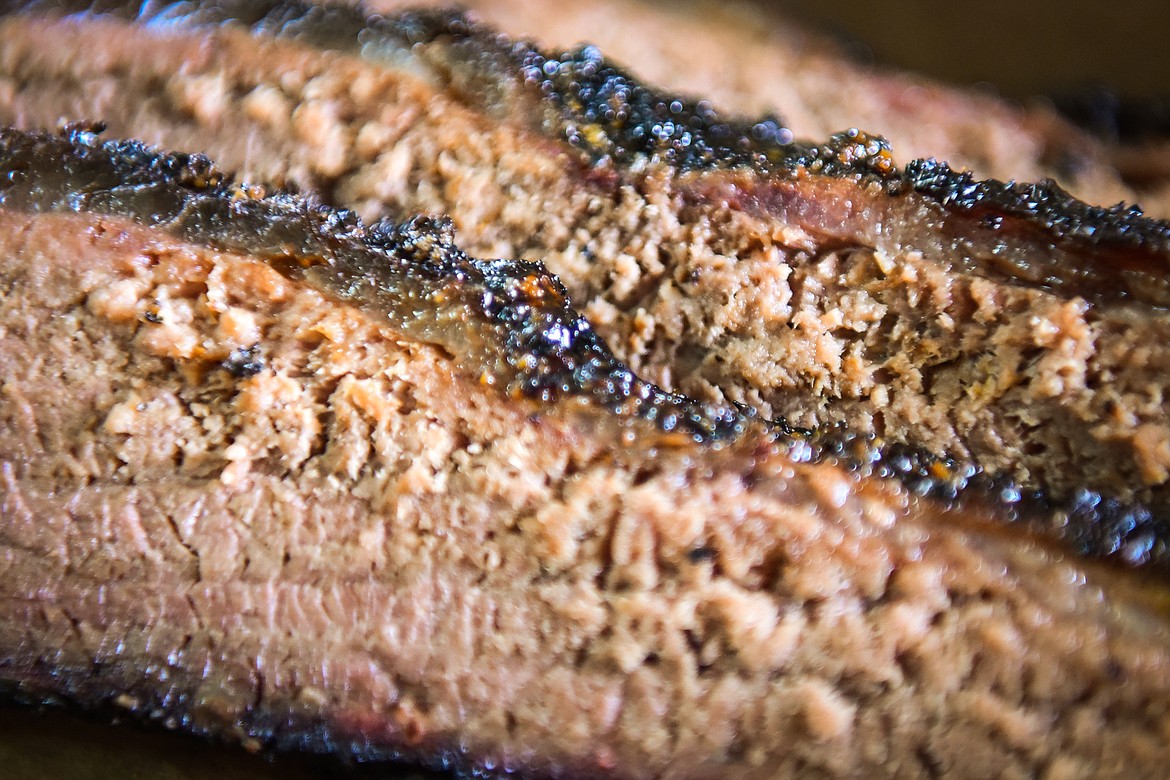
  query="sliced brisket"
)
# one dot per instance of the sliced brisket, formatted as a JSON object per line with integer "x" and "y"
{"x": 393, "y": 534}
{"x": 1008, "y": 326}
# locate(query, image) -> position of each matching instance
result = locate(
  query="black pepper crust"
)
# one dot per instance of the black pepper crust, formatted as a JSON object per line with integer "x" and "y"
{"x": 508, "y": 324}
{"x": 1088, "y": 523}
{"x": 1027, "y": 233}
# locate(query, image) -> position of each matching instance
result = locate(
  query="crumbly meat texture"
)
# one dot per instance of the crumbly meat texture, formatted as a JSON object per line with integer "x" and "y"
{"x": 358, "y": 543}
{"x": 704, "y": 297}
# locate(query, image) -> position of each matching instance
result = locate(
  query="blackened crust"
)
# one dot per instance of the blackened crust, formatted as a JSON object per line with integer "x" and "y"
{"x": 128, "y": 693}
{"x": 580, "y": 99}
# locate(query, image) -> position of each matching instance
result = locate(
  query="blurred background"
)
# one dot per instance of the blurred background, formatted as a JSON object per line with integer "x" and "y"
{"x": 1107, "y": 64}
{"x": 1019, "y": 48}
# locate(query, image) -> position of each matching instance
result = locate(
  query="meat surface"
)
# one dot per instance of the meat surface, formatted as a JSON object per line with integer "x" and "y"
{"x": 1008, "y": 328}
{"x": 273, "y": 474}
{"x": 251, "y": 484}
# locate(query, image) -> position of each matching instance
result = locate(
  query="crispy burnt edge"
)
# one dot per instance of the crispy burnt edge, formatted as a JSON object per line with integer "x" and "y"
{"x": 507, "y": 324}
{"x": 615, "y": 123}
{"x": 122, "y": 693}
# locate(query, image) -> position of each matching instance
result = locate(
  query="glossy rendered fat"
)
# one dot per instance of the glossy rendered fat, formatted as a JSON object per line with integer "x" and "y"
{"x": 233, "y": 502}
{"x": 815, "y": 281}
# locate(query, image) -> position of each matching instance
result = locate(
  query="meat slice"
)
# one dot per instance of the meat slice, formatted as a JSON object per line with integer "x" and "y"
{"x": 278, "y": 476}
{"x": 1006, "y": 326}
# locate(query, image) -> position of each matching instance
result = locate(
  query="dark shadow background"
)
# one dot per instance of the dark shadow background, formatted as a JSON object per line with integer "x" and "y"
{"x": 1021, "y": 47}
{"x": 1107, "y": 64}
